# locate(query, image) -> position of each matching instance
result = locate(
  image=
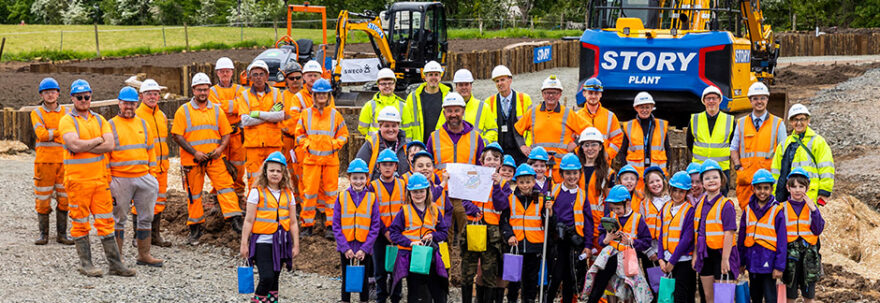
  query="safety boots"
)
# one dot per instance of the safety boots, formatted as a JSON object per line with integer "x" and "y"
{"x": 156, "y": 237}
{"x": 144, "y": 257}
{"x": 236, "y": 222}
{"x": 134, "y": 223}
{"x": 111, "y": 251}
{"x": 328, "y": 233}
{"x": 305, "y": 232}
{"x": 44, "y": 229}
{"x": 84, "y": 250}
{"x": 61, "y": 228}
{"x": 195, "y": 232}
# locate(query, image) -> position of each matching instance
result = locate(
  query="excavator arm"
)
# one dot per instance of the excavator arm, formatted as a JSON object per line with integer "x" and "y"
{"x": 372, "y": 26}
{"x": 765, "y": 50}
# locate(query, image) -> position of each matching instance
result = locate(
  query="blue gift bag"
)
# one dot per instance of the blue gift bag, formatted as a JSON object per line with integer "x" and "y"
{"x": 743, "y": 295}
{"x": 245, "y": 279}
{"x": 354, "y": 277}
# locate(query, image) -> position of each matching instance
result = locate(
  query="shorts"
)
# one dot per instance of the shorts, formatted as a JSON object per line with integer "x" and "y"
{"x": 712, "y": 265}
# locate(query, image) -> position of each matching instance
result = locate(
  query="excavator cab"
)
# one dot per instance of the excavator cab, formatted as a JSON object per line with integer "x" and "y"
{"x": 416, "y": 35}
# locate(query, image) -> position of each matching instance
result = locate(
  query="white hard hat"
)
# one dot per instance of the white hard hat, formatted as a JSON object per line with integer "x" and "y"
{"x": 463, "y": 76}
{"x": 312, "y": 67}
{"x": 224, "y": 63}
{"x": 386, "y": 73}
{"x": 501, "y": 70}
{"x": 200, "y": 78}
{"x": 643, "y": 98}
{"x": 551, "y": 82}
{"x": 258, "y": 64}
{"x": 758, "y": 89}
{"x": 453, "y": 99}
{"x": 432, "y": 66}
{"x": 797, "y": 109}
{"x": 591, "y": 134}
{"x": 711, "y": 89}
{"x": 390, "y": 114}
{"x": 150, "y": 85}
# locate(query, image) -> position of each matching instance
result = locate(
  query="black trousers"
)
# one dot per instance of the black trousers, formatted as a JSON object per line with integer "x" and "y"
{"x": 427, "y": 288}
{"x": 562, "y": 272}
{"x": 600, "y": 281}
{"x": 364, "y": 295}
{"x": 529, "y": 282}
{"x": 268, "y": 275}
{"x": 762, "y": 287}
{"x": 685, "y": 282}
{"x": 383, "y": 278}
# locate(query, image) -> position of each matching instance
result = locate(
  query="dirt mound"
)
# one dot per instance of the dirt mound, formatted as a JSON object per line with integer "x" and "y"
{"x": 841, "y": 285}
{"x": 20, "y": 89}
{"x": 800, "y": 75}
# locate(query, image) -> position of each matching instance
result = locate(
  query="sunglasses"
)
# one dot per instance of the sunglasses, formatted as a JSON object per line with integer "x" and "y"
{"x": 86, "y": 97}
{"x": 294, "y": 78}
{"x": 593, "y": 87}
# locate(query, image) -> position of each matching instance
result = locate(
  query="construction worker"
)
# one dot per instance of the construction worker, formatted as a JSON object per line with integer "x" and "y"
{"x": 711, "y": 132}
{"x": 87, "y": 138}
{"x": 293, "y": 79}
{"x": 509, "y": 107}
{"x": 390, "y": 137}
{"x": 477, "y": 113}
{"x": 806, "y": 149}
{"x": 48, "y": 168}
{"x": 600, "y": 117}
{"x": 157, "y": 123}
{"x": 754, "y": 141}
{"x": 311, "y": 72}
{"x": 203, "y": 134}
{"x": 225, "y": 94}
{"x": 425, "y": 103}
{"x": 320, "y": 134}
{"x": 368, "y": 122}
{"x": 457, "y": 141}
{"x": 645, "y": 138}
{"x": 133, "y": 170}
{"x": 262, "y": 111}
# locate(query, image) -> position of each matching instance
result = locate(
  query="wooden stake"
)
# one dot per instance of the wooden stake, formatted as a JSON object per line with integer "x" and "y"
{"x": 186, "y": 35}
{"x": 97, "y": 46}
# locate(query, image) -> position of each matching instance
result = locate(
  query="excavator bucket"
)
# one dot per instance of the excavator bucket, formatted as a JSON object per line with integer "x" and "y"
{"x": 778, "y": 104}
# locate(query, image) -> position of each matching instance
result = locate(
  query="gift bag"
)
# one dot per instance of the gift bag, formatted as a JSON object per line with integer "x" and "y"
{"x": 743, "y": 294}
{"x": 543, "y": 272}
{"x": 667, "y": 287}
{"x": 354, "y": 276}
{"x": 512, "y": 266}
{"x": 390, "y": 257}
{"x": 725, "y": 290}
{"x": 245, "y": 279}
{"x": 781, "y": 293}
{"x": 444, "y": 254}
{"x": 630, "y": 262}
{"x": 654, "y": 275}
{"x": 420, "y": 261}
{"x": 476, "y": 237}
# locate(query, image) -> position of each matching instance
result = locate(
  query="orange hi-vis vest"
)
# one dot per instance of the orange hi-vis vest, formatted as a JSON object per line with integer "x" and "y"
{"x": 490, "y": 215}
{"x": 133, "y": 153}
{"x": 607, "y": 124}
{"x": 389, "y": 203}
{"x": 577, "y": 207}
{"x": 321, "y": 133}
{"x": 297, "y": 103}
{"x": 526, "y": 221}
{"x": 630, "y": 229}
{"x": 157, "y": 123}
{"x": 798, "y": 225}
{"x": 558, "y": 127}
{"x": 203, "y": 128}
{"x": 266, "y": 134}
{"x": 414, "y": 227}
{"x": 635, "y": 155}
{"x": 373, "y": 139}
{"x": 48, "y": 143}
{"x": 762, "y": 231}
{"x": 672, "y": 225}
{"x": 225, "y": 97}
{"x": 652, "y": 217}
{"x": 84, "y": 166}
{"x": 714, "y": 226}
{"x": 596, "y": 200}
{"x": 445, "y": 151}
{"x": 440, "y": 201}
{"x": 271, "y": 212}
{"x": 356, "y": 220}
{"x": 757, "y": 146}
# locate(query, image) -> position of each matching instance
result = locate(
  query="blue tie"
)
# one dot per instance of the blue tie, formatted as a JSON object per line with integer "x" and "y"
{"x": 505, "y": 104}
{"x": 758, "y": 123}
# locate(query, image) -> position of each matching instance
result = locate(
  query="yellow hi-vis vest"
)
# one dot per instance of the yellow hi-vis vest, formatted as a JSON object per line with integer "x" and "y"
{"x": 715, "y": 146}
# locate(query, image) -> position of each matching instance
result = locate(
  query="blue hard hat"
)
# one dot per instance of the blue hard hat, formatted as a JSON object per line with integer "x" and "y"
{"x": 570, "y": 162}
{"x": 799, "y": 171}
{"x": 276, "y": 157}
{"x": 417, "y": 181}
{"x": 423, "y": 154}
{"x": 593, "y": 84}
{"x": 524, "y": 170}
{"x": 508, "y": 161}
{"x": 618, "y": 194}
{"x": 130, "y": 94}
{"x": 762, "y": 176}
{"x": 681, "y": 180}
{"x": 415, "y": 143}
{"x": 80, "y": 86}
{"x": 387, "y": 155}
{"x": 627, "y": 169}
{"x": 495, "y": 146}
{"x": 358, "y": 166}
{"x": 654, "y": 168}
{"x": 709, "y": 165}
{"x": 539, "y": 153}
{"x": 322, "y": 86}
{"x": 693, "y": 168}
{"x": 49, "y": 83}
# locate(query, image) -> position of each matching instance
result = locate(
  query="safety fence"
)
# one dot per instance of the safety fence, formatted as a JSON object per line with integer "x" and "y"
{"x": 836, "y": 44}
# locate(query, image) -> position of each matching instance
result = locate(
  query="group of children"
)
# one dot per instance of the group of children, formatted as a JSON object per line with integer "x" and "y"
{"x": 682, "y": 225}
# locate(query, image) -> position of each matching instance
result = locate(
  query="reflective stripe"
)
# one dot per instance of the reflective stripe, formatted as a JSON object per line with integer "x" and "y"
{"x": 206, "y": 141}
{"x": 712, "y": 145}
{"x": 225, "y": 190}
{"x": 161, "y": 195}
{"x": 130, "y": 146}
{"x": 47, "y": 144}
{"x": 194, "y": 197}
{"x": 230, "y": 214}
{"x": 104, "y": 216}
{"x": 307, "y": 196}
{"x": 330, "y": 193}
{"x": 126, "y": 163}
{"x": 159, "y": 139}
{"x": 61, "y": 194}
{"x": 44, "y": 188}
{"x": 84, "y": 160}
{"x": 190, "y": 127}
{"x": 80, "y": 220}
{"x": 238, "y": 163}
{"x": 43, "y": 197}
{"x": 320, "y": 152}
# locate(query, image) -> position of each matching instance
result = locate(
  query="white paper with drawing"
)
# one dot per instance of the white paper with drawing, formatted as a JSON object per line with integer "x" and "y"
{"x": 469, "y": 182}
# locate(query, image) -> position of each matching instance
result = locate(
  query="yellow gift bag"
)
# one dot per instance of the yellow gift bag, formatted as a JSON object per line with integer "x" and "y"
{"x": 444, "y": 254}
{"x": 476, "y": 237}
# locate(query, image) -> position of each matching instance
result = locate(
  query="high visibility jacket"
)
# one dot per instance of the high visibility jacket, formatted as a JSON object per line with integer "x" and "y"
{"x": 413, "y": 110}
{"x": 48, "y": 143}
{"x": 84, "y": 166}
{"x": 133, "y": 154}
{"x": 596, "y": 200}
{"x": 672, "y": 225}
{"x": 577, "y": 207}
{"x": 271, "y": 212}
{"x": 606, "y": 122}
{"x": 715, "y": 146}
{"x": 266, "y": 134}
{"x": 481, "y": 116}
{"x": 389, "y": 203}
{"x": 816, "y": 159}
{"x": 414, "y": 227}
{"x": 356, "y": 220}
{"x": 714, "y": 226}
{"x": 652, "y": 217}
{"x": 798, "y": 225}
{"x": 756, "y": 146}
{"x": 376, "y": 145}
{"x": 637, "y": 198}
{"x": 762, "y": 231}
{"x": 559, "y": 127}
{"x": 630, "y": 229}
{"x": 202, "y": 127}
{"x": 367, "y": 123}
{"x": 320, "y": 134}
{"x": 445, "y": 151}
{"x": 227, "y": 98}
{"x": 440, "y": 201}
{"x": 521, "y": 103}
{"x": 487, "y": 208}
{"x": 526, "y": 221}
{"x": 157, "y": 123}
{"x": 635, "y": 154}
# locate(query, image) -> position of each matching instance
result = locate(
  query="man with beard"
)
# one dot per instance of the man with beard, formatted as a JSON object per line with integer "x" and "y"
{"x": 157, "y": 123}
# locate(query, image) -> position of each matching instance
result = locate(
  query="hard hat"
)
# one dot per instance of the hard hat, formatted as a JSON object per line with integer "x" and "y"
{"x": 312, "y": 67}
{"x": 80, "y": 86}
{"x": 799, "y": 171}
{"x": 681, "y": 180}
{"x": 128, "y": 93}
{"x": 224, "y": 63}
{"x": 463, "y": 76}
{"x": 551, "y": 82}
{"x": 389, "y": 114}
{"x": 150, "y": 85}
{"x": 358, "y": 166}
{"x": 711, "y": 89}
{"x": 258, "y": 64}
{"x": 627, "y": 169}
{"x": 693, "y": 168}
{"x": 656, "y": 169}
{"x": 797, "y": 109}
{"x": 524, "y": 170}
{"x": 762, "y": 176}
{"x": 453, "y": 99}
{"x": 200, "y": 78}
{"x": 292, "y": 67}
{"x": 501, "y": 70}
{"x": 276, "y": 157}
{"x": 539, "y": 153}
{"x": 386, "y": 73}
{"x": 417, "y": 181}
{"x": 618, "y": 194}
{"x": 432, "y": 67}
{"x": 508, "y": 161}
{"x": 593, "y": 84}
{"x": 387, "y": 155}
{"x": 709, "y": 165}
{"x": 758, "y": 89}
{"x": 495, "y": 146}
{"x": 643, "y": 98}
{"x": 570, "y": 162}
{"x": 322, "y": 86}
{"x": 415, "y": 143}
{"x": 423, "y": 154}
{"x": 591, "y": 134}
{"x": 49, "y": 83}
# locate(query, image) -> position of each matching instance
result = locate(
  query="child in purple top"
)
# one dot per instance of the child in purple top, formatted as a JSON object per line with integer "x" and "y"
{"x": 765, "y": 265}
{"x": 677, "y": 222}
{"x": 712, "y": 263}
{"x": 804, "y": 262}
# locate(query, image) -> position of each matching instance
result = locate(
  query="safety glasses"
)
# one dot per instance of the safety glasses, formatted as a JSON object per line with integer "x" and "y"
{"x": 84, "y": 97}
{"x": 594, "y": 87}
{"x": 294, "y": 78}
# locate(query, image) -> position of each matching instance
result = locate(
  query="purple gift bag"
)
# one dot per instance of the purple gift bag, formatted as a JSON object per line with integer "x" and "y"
{"x": 512, "y": 266}
{"x": 654, "y": 275}
{"x": 725, "y": 290}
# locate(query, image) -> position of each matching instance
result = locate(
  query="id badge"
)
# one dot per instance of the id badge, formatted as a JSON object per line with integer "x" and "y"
{"x": 504, "y": 128}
